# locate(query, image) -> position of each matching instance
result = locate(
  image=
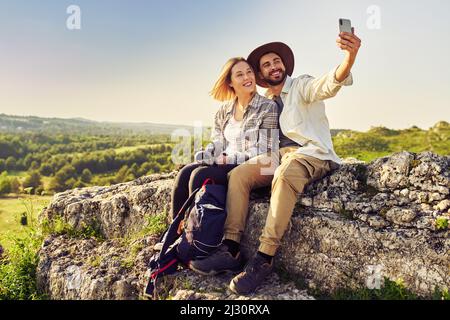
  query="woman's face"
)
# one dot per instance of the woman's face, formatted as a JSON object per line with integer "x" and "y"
{"x": 243, "y": 78}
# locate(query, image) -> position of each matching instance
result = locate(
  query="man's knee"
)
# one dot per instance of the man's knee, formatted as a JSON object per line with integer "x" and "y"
{"x": 291, "y": 174}
{"x": 238, "y": 176}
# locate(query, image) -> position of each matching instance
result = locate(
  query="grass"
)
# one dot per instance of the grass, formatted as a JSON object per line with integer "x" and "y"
{"x": 57, "y": 226}
{"x": 18, "y": 268}
{"x": 12, "y": 208}
{"x": 156, "y": 224}
{"x": 390, "y": 290}
{"x": 19, "y": 261}
{"x": 442, "y": 223}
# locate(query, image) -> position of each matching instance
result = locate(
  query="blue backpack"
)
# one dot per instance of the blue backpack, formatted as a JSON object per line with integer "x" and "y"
{"x": 196, "y": 231}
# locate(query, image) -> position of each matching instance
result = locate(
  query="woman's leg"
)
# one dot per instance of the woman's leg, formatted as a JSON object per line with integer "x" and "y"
{"x": 217, "y": 173}
{"x": 180, "y": 190}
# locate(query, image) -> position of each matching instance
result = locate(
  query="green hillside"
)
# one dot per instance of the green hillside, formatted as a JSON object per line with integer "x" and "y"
{"x": 381, "y": 141}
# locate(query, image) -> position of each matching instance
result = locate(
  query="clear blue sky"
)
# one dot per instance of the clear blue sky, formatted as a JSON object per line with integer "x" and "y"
{"x": 156, "y": 60}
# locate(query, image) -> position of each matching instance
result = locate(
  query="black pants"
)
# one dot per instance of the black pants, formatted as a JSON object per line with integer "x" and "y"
{"x": 192, "y": 177}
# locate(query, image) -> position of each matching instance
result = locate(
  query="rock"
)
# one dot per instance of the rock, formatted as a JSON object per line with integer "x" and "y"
{"x": 390, "y": 172}
{"x": 377, "y": 222}
{"x": 401, "y": 216}
{"x": 443, "y": 205}
{"x": 118, "y": 210}
{"x": 359, "y": 219}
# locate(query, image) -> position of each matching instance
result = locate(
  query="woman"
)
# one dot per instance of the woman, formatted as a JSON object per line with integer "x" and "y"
{"x": 237, "y": 134}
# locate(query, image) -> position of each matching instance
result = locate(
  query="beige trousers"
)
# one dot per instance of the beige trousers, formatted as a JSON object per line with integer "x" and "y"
{"x": 289, "y": 179}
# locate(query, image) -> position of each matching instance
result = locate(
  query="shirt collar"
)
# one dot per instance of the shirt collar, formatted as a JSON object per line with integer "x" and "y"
{"x": 254, "y": 103}
{"x": 287, "y": 86}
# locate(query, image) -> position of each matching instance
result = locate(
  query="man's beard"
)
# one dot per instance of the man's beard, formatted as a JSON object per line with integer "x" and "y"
{"x": 277, "y": 82}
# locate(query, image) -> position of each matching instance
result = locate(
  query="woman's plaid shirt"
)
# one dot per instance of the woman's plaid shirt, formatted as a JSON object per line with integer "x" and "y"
{"x": 259, "y": 129}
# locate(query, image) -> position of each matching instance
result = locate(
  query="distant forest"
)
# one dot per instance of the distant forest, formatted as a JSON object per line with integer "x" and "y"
{"x": 43, "y": 156}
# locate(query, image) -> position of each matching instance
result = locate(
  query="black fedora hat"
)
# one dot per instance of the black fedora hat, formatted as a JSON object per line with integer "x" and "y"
{"x": 280, "y": 49}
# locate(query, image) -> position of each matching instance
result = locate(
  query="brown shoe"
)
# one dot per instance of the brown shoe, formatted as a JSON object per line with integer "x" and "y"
{"x": 218, "y": 262}
{"x": 252, "y": 277}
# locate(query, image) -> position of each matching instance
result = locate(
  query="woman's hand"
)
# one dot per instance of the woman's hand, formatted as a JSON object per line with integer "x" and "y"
{"x": 221, "y": 160}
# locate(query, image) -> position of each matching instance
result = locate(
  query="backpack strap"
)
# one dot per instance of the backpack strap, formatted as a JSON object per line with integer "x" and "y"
{"x": 208, "y": 181}
{"x": 172, "y": 231}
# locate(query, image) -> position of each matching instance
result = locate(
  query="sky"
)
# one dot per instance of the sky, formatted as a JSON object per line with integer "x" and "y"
{"x": 156, "y": 60}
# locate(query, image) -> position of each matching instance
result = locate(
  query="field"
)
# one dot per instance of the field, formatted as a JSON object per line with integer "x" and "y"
{"x": 12, "y": 207}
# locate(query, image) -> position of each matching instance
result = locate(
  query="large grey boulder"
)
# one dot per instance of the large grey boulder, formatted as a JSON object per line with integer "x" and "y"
{"x": 350, "y": 230}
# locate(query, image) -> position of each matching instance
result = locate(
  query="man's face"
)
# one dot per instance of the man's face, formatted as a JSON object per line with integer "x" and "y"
{"x": 272, "y": 69}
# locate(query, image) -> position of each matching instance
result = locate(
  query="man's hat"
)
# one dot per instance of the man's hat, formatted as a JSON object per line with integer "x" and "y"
{"x": 280, "y": 49}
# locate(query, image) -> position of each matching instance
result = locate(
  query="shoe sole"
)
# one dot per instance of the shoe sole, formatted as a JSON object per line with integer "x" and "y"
{"x": 213, "y": 272}
{"x": 233, "y": 288}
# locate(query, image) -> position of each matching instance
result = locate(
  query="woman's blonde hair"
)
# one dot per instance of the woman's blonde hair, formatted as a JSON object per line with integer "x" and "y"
{"x": 222, "y": 90}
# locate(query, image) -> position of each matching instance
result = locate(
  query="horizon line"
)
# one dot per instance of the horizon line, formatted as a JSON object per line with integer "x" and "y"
{"x": 185, "y": 125}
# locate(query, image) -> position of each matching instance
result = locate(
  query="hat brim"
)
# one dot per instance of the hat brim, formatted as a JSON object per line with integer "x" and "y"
{"x": 280, "y": 49}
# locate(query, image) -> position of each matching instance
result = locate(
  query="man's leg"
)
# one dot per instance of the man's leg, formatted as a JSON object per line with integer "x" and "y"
{"x": 291, "y": 177}
{"x": 250, "y": 175}
{"x": 241, "y": 180}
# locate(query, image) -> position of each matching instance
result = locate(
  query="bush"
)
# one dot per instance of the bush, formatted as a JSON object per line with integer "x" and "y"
{"x": 86, "y": 176}
{"x": 5, "y": 183}
{"x": 46, "y": 170}
{"x": 18, "y": 269}
{"x": 33, "y": 180}
{"x": 156, "y": 224}
{"x": 15, "y": 185}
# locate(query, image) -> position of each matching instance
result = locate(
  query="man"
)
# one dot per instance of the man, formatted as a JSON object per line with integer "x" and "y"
{"x": 306, "y": 151}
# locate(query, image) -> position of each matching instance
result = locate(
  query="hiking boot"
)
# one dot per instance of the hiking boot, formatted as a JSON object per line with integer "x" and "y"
{"x": 252, "y": 277}
{"x": 219, "y": 261}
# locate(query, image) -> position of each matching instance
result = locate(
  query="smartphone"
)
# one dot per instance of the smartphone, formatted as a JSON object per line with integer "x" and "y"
{"x": 345, "y": 25}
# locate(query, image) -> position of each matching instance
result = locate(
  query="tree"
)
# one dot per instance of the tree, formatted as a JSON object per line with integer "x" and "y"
{"x": 79, "y": 184}
{"x": 86, "y": 176}
{"x": 121, "y": 175}
{"x": 46, "y": 170}
{"x": 34, "y": 165}
{"x": 70, "y": 183}
{"x": 10, "y": 163}
{"x": 5, "y": 184}
{"x": 134, "y": 170}
{"x": 59, "y": 181}
{"x": 2, "y": 165}
{"x": 33, "y": 180}
{"x": 15, "y": 185}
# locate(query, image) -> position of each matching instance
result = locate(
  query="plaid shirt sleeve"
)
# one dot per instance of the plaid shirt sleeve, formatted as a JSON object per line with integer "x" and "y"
{"x": 259, "y": 126}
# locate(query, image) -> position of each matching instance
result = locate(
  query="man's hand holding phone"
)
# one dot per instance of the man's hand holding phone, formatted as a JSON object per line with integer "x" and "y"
{"x": 349, "y": 43}
{"x": 347, "y": 40}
